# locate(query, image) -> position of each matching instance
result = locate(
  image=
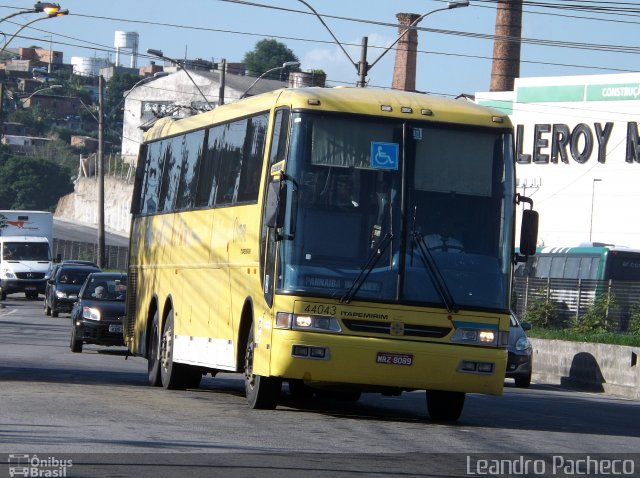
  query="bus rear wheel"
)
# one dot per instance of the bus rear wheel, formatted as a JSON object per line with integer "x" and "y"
{"x": 444, "y": 406}
{"x": 175, "y": 376}
{"x": 262, "y": 392}
{"x": 153, "y": 356}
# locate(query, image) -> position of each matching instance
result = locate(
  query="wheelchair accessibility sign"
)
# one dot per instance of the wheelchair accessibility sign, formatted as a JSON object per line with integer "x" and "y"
{"x": 384, "y": 155}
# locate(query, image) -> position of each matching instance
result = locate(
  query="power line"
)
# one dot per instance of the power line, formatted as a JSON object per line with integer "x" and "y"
{"x": 538, "y": 42}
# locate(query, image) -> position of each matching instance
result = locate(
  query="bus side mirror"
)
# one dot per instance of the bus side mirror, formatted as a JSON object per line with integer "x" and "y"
{"x": 58, "y": 258}
{"x": 274, "y": 208}
{"x": 529, "y": 232}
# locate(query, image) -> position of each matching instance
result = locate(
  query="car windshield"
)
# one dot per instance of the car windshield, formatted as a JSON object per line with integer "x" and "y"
{"x": 72, "y": 277}
{"x": 26, "y": 251}
{"x": 422, "y": 211}
{"x": 107, "y": 288}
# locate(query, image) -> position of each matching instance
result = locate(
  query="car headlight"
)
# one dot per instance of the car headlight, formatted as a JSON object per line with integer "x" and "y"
{"x": 61, "y": 295}
{"x": 477, "y": 335}
{"x": 90, "y": 313}
{"x": 7, "y": 274}
{"x": 316, "y": 323}
{"x": 523, "y": 344}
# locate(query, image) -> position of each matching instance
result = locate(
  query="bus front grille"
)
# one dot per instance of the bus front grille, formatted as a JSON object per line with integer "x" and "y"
{"x": 391, "y": 328}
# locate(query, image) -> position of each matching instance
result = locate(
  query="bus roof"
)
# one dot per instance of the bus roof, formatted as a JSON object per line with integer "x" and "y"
{"x": 366, "y": 101}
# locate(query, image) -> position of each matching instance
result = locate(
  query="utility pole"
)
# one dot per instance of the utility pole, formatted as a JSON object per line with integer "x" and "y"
{"x": 363, "y": 66}
{"x": 101, "y": 258}
{"x": 49, "y": 69}
{"x": 223, "y": 74}
{"x": 1, "y": 108}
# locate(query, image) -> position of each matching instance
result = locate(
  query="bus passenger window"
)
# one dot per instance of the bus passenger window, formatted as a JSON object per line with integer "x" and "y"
{"x": 557, "y": 267}
{"x": 542, "y": 267}
{"x": 571, "y": 268}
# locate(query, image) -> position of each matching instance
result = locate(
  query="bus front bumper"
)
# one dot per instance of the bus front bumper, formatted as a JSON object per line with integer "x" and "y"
{"x": 403, "y": 364}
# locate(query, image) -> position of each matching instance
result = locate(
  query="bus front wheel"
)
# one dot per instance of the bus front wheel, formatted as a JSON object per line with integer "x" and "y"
{"x": 444, "y": 406}
{"x": 262, "y": 392}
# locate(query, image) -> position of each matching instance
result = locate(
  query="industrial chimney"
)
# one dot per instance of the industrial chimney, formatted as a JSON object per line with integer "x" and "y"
{"x": 506, "y": 45}
{"x": 404, "y": 71}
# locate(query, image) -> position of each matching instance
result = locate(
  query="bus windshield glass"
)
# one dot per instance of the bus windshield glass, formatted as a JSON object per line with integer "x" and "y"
{"x": 417, "y": 207}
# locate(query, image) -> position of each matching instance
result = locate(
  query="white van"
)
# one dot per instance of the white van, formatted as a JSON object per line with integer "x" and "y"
{"x": 25, "y": 252}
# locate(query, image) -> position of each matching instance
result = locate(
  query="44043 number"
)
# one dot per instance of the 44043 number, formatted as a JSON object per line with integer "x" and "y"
{"x": 320, "y": 309}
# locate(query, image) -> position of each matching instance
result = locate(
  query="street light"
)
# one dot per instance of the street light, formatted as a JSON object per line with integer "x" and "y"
{"x": 362, "y": 66}
{"x": 159, "y": 54}
{"x": 286, "y": 64}
{"x": 53, "y": 13}
{"x": 48, "y": 8}
{"x": 50, "y": 87}
{"x": 593, "y": 191}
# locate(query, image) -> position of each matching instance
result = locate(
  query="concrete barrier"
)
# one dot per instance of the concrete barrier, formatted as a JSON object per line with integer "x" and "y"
{"x": 595, "y": 367}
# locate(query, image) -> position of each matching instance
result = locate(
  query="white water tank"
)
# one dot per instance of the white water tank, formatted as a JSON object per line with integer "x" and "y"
{"x": 87, "y": 66}
{"x": 127, "y": 41}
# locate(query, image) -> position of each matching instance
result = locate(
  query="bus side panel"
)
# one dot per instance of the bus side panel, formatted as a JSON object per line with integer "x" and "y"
{"x": 146, "y": 256}
{"x": 244, "y": 276}
{"x": 201, "y": 292}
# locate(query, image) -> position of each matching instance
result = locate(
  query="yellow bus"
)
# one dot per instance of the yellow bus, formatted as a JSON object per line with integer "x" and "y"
{"x": 341, "y": 240}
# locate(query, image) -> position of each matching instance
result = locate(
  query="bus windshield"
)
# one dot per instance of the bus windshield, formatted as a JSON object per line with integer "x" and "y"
{"x": 440, "y": 196}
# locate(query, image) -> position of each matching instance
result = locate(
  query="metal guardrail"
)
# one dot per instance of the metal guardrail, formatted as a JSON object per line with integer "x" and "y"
{"x": 572, "y": 298}
{"x": 116, "y": 256}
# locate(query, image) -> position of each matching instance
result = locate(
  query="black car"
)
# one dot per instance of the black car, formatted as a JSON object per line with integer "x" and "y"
{"x": 63, "y": 287}
{"x": 520, "y": 353}
{"x": 96, "y": 317}
{"x": 67, "y": 262}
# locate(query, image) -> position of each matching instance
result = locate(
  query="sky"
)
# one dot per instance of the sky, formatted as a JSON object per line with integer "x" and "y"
{"x": 455, "y": 46}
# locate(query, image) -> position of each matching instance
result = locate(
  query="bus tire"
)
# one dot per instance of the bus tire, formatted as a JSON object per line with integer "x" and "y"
{"x": 3, "y": 294}
{"x": 444, "y": 406}
{"x": 262, "y": 393}
{"x": 153, "y": 355}
{"x": 175, "y": 376}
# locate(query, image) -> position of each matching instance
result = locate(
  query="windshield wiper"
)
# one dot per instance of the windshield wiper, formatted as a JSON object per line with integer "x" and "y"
{"x": 434, "y": 271}
{"x": 368, "y": 267}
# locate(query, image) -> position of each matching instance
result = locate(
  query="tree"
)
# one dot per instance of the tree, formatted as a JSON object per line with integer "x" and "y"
{"x": 36, "y": 119}
{"x": 27, "y": 183}
{"x": 113, "y": 104}
{"x": 266, "y": 55}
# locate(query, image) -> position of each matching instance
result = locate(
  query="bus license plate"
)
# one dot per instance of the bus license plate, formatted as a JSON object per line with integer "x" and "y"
{"x": 394, "y": 359}
{"x": 115, "y": 328}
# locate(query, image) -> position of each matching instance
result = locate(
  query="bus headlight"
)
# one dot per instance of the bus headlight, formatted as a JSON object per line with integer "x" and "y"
{"x": 90, "y": 313}
{"x": 473, "y": 335}
{"x": 316, "y": 323}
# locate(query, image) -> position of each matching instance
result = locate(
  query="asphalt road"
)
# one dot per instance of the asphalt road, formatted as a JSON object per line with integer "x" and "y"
{"x": 97, "y": 410}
